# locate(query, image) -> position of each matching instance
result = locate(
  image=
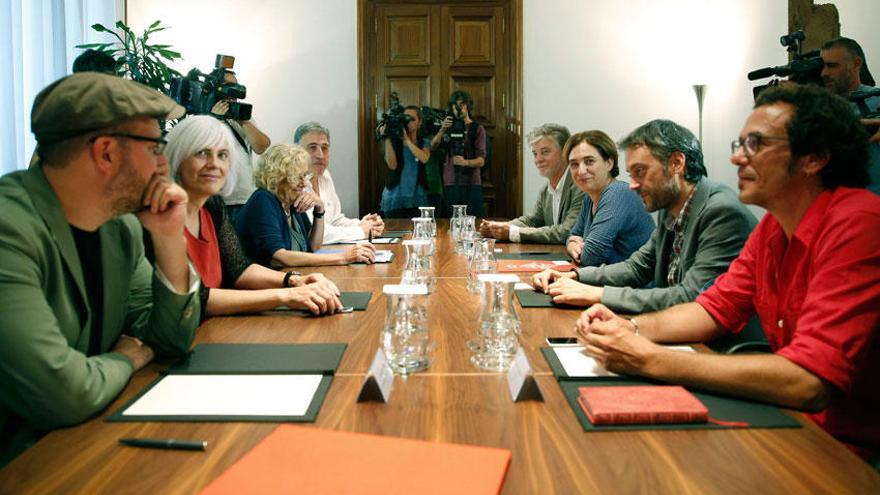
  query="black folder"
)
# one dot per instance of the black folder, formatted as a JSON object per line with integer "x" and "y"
{"x": 359, "y": 301}
{"x": 537, "y": 299}
{"x": 721, "y": 408}
{"x": 250, "y": 359}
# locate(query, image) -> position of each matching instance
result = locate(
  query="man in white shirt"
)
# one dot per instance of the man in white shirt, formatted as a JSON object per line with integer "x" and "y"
{"x": 559, "y": 201}
{"x": 338, "y": 228}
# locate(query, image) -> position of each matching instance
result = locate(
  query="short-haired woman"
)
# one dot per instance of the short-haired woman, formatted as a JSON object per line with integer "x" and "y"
{"x": 273, "y": 225}
{"x": 198, "y": 159}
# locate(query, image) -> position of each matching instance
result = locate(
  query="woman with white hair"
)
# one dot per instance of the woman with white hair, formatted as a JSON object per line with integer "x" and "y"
{"x": 198, "y": 157}
{"x": 273, "y": 225}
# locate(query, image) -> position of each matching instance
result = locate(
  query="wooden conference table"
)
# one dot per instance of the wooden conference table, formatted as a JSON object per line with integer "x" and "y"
{"x": 451, "y": 402}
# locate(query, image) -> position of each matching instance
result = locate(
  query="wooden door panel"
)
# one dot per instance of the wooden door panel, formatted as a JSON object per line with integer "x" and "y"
{"x": 408, "y": 40}
{"x": 425, "y": 49}
{"x": 410, "y": 90}
{"x": 472, "y": 41}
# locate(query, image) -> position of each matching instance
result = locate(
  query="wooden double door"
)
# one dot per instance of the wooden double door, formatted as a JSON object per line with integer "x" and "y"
{"x": 425, "y": 50}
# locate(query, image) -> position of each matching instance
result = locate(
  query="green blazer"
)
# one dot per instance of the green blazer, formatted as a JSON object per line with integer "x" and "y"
{"x": 716, "y": 230}
{"x": 539, "y": 226}
{"x": 46, "y": 379}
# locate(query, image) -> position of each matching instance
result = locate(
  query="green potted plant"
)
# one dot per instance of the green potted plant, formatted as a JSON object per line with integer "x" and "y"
{"x": 136, "y": 58}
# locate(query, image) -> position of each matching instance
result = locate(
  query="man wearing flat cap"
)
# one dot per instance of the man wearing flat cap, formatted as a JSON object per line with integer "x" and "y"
{"x": 82, "y": 308}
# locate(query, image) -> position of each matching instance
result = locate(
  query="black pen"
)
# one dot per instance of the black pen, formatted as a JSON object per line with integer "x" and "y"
{"x": 165, "y": 443}
{"x": 371, "y": 236}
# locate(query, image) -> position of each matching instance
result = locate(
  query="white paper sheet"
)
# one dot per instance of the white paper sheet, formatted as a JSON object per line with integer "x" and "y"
{"x": 523, "y": 286}
{"x": 577, "y": 363}
{"x": 384, "y": 255}
{"x": 386, "y": 240}
{"x": 228, "y": 395}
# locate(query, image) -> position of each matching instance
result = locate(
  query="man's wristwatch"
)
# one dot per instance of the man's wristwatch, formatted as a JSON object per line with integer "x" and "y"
{"x": 318, "y": 215}
{"x": 287, "y": 276}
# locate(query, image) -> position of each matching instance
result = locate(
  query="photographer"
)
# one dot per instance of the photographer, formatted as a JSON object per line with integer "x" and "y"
{"x": 465, "y": 156}
{"x": 844, "y": 72}
{"x": 249, "y": 139}
{"x": 405, "y": 184}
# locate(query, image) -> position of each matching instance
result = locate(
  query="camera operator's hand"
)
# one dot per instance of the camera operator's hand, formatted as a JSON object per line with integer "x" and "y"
{"x": 446, "y": 124}
{"x": 307, "y": 200}
{"x": 220, "y": 108}
{"x": 460, "y": 161}
{"x": 380, "y": 132}
{"x": 873, "y": 122}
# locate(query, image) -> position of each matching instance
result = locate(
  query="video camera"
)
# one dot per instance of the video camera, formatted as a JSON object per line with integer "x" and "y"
{"x": 804, "y": 68}
{"x": 199, "y": 92}
{"x": 394, "y": 120}
{"x": 433, "y": 118}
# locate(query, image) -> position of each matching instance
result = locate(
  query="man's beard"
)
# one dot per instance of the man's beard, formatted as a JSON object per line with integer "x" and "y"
{"x": 126, "y": 189}
{"x": 665, "y": 195}
{"x": 841, "y": 86}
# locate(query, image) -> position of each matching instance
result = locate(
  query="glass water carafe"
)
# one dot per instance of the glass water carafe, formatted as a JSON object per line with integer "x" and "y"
{"x": 405, "y": 339}
{"x": 458, "y": 211}
{"x": 481, "y": 260}
{"x": 499, "y": 324}
{"x": 428, "y": 212}
{"x": 418, "y": 264}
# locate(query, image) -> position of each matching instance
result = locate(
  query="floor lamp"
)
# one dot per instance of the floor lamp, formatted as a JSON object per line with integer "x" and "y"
{"x": 700, "y": 91}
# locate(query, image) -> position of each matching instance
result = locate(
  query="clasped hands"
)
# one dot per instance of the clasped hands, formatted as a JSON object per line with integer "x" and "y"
{"x": 565, "y": 289}
{"x": 372, "y": 223}
{"x": 612, "y": 342}
{"x": 498, "y": 230}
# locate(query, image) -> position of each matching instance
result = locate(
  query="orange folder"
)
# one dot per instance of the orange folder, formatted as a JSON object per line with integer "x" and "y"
{"x": 306, "y": 460}
{"x": 508, "y": 266}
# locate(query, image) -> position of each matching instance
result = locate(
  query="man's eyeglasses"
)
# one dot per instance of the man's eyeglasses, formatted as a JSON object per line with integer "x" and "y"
{"x": 157, "y": 149}
{"x": 752, "y": 143}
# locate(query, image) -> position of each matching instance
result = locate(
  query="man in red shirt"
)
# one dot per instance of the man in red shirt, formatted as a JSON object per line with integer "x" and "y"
{"x": 810, "y": 270}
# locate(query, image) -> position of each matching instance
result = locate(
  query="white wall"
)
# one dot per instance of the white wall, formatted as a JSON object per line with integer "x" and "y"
{"x": 605, "y": 64}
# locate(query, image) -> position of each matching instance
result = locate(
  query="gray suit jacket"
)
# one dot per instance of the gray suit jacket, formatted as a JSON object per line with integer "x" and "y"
{"x": 716, "y": 229}
{"x": 538, "y": 226}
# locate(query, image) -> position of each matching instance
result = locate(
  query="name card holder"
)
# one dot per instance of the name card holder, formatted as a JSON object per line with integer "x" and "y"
{"x": 521, "y": 379}
{"x": 379, "y": 381}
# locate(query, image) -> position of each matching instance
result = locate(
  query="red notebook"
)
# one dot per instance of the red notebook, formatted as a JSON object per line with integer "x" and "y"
{"x": 511, "y": 266}
{"x": 307, "y": 460}
{"x": 645, "y": 404}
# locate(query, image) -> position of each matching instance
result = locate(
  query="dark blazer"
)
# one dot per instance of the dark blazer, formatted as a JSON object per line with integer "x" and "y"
{"x": 716, "y": 230}
{"x": 262, "y": 227}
